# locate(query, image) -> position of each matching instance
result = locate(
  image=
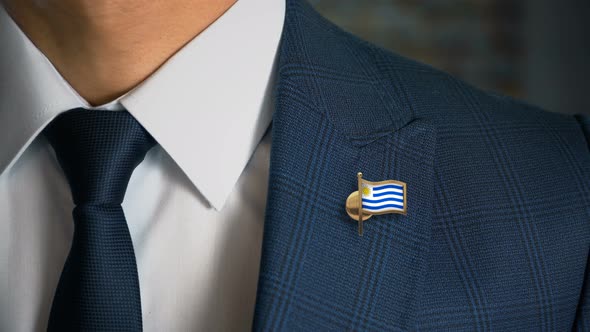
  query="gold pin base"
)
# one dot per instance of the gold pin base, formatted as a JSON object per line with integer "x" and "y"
{"x": 352, "y": 207}
{"x": 354, "y": 210}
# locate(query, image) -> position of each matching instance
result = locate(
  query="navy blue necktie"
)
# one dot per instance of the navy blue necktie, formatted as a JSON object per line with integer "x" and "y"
{"x": 98, "y": 289}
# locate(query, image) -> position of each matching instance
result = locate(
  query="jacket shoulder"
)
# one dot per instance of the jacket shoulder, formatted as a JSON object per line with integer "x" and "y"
{"x": 433, "y": 94}
{"x": 384, "y": 91}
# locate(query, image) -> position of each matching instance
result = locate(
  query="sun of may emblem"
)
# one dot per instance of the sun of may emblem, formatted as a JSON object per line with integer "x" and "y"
{"x": 366, "y": 191}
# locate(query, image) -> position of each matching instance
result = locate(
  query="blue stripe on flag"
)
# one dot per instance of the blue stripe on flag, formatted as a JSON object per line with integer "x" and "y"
{"x": 380, "y": 207}
{"x": 382, "y": 200}
{"x": 389, "y": 186}
{"x": 387, "y": 193}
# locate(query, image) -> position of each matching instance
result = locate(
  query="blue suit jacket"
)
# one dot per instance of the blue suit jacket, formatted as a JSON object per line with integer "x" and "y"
{"x": 498, "y": 226}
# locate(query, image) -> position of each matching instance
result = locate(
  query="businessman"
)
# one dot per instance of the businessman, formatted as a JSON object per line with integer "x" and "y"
{"x": 184, "y": 165}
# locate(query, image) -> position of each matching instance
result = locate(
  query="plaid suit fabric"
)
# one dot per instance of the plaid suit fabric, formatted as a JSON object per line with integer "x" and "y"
{"x": 498, "y": 226}
{"x": 585, "y": 124}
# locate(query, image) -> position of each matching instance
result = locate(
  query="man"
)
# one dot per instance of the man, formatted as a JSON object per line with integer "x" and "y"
{"x": 261, "y": 123}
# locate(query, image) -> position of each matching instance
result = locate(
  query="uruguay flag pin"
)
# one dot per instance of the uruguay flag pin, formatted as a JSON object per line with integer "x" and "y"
{"x": 373, "y": 198}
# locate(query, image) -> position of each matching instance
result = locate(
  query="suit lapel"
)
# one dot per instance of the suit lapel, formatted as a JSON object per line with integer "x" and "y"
{"x": 333, "y": 119}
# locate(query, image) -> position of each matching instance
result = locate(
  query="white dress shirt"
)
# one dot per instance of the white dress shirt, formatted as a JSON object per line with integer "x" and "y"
{"x": 195, "y": 206}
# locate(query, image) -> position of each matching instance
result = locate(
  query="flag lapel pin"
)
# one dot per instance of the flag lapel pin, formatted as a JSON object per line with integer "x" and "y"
{"x": 374, "y": 198}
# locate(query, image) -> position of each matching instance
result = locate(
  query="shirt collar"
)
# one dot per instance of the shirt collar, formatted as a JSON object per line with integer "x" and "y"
{"x": 208, "y": 106}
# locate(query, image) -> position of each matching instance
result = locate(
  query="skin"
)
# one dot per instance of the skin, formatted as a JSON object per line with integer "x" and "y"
{"x": 115, "y": 43}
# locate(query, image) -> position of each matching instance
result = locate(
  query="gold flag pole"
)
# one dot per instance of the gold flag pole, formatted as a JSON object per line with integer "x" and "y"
{"x": 360, "y": 198}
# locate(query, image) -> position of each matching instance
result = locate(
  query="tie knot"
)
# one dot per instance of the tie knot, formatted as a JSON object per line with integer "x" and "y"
{"x": 98, "y": 151}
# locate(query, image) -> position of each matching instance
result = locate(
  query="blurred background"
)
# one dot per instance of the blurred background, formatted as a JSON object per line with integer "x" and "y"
{"x": 536, "y": 50}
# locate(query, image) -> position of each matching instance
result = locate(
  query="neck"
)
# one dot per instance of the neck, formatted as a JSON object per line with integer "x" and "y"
{"x": 105, "y": 48}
